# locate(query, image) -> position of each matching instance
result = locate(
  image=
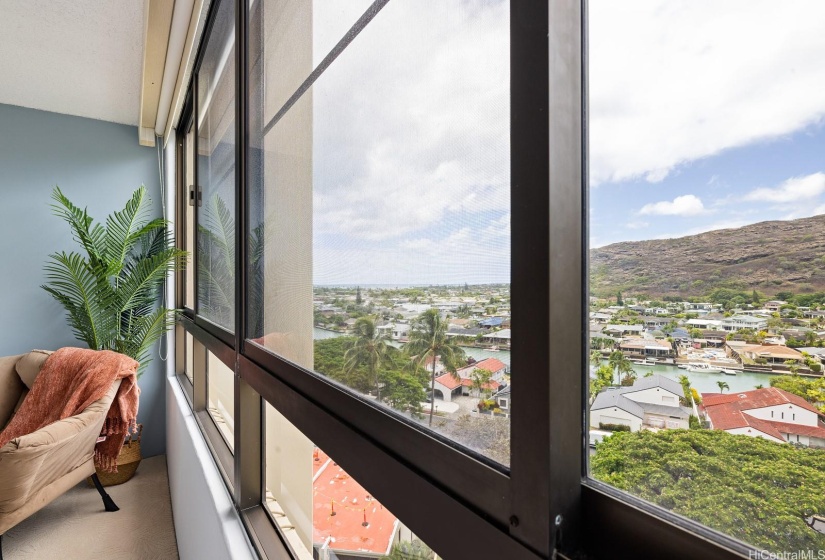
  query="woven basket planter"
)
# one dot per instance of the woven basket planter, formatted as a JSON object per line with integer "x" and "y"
{"x": 127, "y": 462}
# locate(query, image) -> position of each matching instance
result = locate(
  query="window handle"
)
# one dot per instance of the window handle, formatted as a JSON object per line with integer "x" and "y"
{"x": 192, "y": 195}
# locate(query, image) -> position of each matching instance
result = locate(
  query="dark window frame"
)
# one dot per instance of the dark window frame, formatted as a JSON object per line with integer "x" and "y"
{"x": 548, "y": 117}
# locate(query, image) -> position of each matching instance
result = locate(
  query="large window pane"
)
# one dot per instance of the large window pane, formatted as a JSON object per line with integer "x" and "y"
{"x": 707, "y": 284}
{"x": 221, "y": 397}
{"x": 321, "y": 509}
{"x": 380, "y": 227}
{"x": 216, "y": 171}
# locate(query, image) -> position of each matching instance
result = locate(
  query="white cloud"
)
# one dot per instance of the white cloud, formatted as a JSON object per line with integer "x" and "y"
{"x": 675, "y": 81}
{"x": 411, "y": 123}
{"x": 794, "y": 189}
{"x": 685, "y": 205}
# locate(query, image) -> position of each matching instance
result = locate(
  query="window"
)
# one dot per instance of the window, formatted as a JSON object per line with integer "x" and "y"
{"x": 215, "y": 115}
{"x": 221, "y": 391}
{"x": 380, "y": 209}
{"x": 436, "y": 148}
{"x": 320, "y": 507}
{"x": 702, "y": 139}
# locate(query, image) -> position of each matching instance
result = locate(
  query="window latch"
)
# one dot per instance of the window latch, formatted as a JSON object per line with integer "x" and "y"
{"x": 192, "y": 195}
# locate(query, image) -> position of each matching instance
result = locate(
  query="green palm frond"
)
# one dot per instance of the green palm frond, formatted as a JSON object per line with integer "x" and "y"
{"x": 216, "y": 263}
{"x": 142, "y": 285}
{"x": 90, "y": 235}
{"x": 124, "y": 227}
{"x": 75, "y": 283}
{"x": 144, "y": 332}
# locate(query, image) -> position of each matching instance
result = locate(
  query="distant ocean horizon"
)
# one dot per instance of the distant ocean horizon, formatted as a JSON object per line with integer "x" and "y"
{"x": 405, "y": 286}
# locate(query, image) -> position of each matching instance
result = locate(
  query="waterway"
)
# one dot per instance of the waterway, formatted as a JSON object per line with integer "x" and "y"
{"x": 703, "y": 382}
{"x": 706, "y": 382}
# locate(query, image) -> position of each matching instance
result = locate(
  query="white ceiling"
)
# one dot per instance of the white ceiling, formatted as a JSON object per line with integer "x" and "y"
{"x": 77, "y": 57}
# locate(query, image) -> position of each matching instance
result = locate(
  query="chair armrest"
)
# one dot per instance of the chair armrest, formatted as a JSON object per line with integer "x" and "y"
{"x": 10, "y": 387}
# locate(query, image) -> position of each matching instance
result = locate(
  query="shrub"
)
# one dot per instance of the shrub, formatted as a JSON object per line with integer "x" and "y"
{"x": 614, "y": 427}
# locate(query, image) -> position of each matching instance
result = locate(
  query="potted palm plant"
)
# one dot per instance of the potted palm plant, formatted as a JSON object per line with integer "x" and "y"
{"x": 111, "y": 290}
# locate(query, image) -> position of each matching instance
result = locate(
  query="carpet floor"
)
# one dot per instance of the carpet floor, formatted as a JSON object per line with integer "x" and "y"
{"x": 75, "y": 526}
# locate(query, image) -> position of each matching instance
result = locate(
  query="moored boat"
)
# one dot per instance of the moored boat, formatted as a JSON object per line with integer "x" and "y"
{"x": 703, "y": 367}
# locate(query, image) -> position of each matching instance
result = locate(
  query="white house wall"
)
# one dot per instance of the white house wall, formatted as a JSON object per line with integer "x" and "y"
{"x": 615, "y": 415}
{"x": 753, "y": 432}
{"x": 789, "y": 413}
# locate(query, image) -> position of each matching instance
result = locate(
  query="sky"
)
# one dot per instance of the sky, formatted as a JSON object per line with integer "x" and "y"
{"x": 704, "y": 115}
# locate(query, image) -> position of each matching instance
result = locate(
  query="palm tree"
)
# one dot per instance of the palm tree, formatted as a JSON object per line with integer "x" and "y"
{"x": 369, "y": 348}
{"x": 480, "y": 378}
{"x": 722, "y": 386}
{"x": 428, "y": 339}
{"x": 620, "y": 364}
{"x": 110, "y": 293}
{"x": 595, "y": 357}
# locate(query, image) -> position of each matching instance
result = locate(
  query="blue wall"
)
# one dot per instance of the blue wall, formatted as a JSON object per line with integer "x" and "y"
{"x": 96, "y": 164}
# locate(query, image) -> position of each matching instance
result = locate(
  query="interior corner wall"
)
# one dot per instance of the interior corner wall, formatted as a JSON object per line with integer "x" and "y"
{"x": 97, "y": 165}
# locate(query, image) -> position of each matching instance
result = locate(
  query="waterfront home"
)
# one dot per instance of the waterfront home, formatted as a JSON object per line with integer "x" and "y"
{"x": 496, "y": 367}
{"x": 769, "y": 413}
{"x": 646, "y": 348}
{"x": 762, "y": 353}
{"x": 498, "y": 337}
{"x": 651, "y": 402}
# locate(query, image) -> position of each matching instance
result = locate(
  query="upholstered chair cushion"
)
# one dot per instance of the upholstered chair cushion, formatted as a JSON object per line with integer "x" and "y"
{"x": 29, "y": 366}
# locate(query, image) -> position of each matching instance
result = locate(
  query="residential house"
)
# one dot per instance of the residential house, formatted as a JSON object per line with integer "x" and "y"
{"x": 504, "y": 400}
{"x": 646, "y": 348}
{"x": 703, "y": 323}
{"x": 774, "y": 305}
{"x": 769, "y": 413}
{"x": 622, "y": 330}
{"x": 738, "y": 322}
{"x": 772, "y": 354}
{"x": 498, "y": 337}
{"x": 651, "y": 402}
{"x": 598, "y": 317}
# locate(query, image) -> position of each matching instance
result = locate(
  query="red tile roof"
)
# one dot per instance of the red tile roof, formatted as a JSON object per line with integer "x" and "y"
{"x": 490, "y": 364}
{"x": 492, "y": 384}
{"x": 727, "y": 412}
{"x": 449, "y": 381}
{"x": 810, "y": 431}
{"x": 758, "y": 398}
{"x": 334, "y": 490}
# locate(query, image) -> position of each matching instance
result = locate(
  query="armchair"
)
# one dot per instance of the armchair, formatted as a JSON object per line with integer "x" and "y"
{"x": 39, "y": 467}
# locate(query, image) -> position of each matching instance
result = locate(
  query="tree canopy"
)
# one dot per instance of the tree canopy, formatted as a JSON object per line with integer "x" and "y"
{"x": 812, "y": 390}
{"x": 752, "y": 489}
{"x": 403, "y": 384}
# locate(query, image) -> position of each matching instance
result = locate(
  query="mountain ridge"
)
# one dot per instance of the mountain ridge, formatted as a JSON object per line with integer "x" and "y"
{"x": 771, "y": 256}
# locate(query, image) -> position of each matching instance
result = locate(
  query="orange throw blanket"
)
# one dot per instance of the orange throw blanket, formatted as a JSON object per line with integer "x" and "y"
{"x": 70, "y": 380}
